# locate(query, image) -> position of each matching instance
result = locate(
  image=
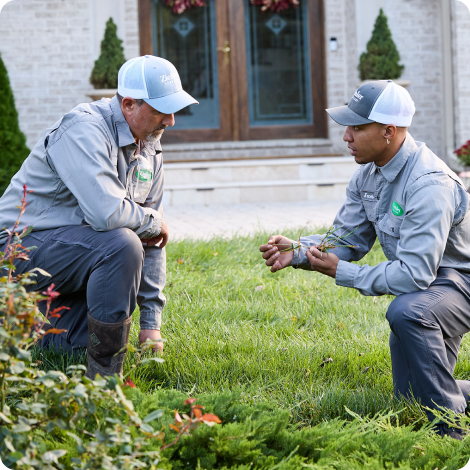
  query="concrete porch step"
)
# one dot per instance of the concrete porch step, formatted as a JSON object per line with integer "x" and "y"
{"x": 306, "y": 178}
{"x": 261, "y": 191}
{"x": 256, "y": 170}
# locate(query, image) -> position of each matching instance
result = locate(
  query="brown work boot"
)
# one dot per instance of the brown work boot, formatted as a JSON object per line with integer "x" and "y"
{"x": 105, "y": 340}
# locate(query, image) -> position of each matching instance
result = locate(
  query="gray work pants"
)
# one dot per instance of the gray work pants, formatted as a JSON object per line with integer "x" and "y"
{"x": 93, "y": 271}
{"x": 427, "y": 329}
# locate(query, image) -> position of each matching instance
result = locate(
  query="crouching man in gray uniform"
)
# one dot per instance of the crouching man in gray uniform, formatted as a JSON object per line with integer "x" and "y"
{"x": 96, "y": 212}
{"x": 418, "y": 208}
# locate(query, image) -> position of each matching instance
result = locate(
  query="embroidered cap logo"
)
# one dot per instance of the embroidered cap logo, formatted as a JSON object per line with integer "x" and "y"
{"x": 397, "y": 209}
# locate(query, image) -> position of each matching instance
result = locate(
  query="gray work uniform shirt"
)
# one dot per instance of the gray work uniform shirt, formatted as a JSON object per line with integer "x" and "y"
{"x": 78, "y": 172}
{"x": 417, "y": 208}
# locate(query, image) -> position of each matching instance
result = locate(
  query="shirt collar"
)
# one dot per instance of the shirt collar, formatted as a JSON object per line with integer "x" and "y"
{"x": 395, "y": 165}
{"x": 124, "y": 134}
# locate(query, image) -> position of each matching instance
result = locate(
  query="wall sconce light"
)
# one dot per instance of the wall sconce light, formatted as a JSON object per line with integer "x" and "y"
{"x": 333, "y": 44}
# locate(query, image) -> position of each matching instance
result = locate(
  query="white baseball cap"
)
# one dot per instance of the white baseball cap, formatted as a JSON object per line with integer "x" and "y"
{"x": 380, "y": 101}
{"x": 156, "y": 81}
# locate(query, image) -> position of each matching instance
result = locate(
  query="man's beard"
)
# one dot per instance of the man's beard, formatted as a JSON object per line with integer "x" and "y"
{"x": 154, "y": 137}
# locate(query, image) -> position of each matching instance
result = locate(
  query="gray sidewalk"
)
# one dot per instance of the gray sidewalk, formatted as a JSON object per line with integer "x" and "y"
{"x": 244, "y": 219}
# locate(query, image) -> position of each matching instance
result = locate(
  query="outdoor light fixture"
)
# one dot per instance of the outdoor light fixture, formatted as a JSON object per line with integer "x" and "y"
{"x": 333, "y": 44}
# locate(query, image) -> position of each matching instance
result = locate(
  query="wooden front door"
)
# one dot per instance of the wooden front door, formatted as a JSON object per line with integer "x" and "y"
{"x": 257, "y": 75}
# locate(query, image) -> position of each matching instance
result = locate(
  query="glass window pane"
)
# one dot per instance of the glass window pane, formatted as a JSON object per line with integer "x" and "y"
{"x": 189, "y": 42}
{"x": 278, "y": 66}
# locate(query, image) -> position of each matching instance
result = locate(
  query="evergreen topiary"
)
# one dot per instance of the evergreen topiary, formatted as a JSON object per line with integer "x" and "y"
{"x": 106, "y": 69}
{"x": 381, "y": 61}
{"x": 13, "y": 149}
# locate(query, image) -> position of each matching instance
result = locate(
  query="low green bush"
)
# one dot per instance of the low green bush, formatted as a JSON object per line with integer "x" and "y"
{"x": 13, "y": 149}
{"x": 106, "y": 69}
{"x": 381, "y": 61}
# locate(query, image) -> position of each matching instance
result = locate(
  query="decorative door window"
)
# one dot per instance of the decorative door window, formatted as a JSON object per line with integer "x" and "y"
{"x": 278, "y": 69}
{"x": 189, "y": 41}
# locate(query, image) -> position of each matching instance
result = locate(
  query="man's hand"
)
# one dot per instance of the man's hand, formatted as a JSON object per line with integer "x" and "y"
{"x": 272, "y": 255}
{"x": 153, "y": 335}
{"x": 162, "y": 237}
{"x": 325, "y": 263}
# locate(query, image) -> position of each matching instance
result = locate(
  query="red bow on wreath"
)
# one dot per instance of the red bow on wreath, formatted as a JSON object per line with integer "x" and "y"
{"x": 275, "y": 5}
{"x": 180, "y": 6}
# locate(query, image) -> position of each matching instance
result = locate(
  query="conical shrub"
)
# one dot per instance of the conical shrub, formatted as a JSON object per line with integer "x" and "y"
{"x": 106, "y": 69}
{"x": 381, "y": 61}
{"x": 13, "y": 149}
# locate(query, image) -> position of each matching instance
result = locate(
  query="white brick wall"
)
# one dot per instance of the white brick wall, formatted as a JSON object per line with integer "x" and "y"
{"x": 461, "y": 47}
{"x": 48, "y": 51}
{"x": 337, "y": 72}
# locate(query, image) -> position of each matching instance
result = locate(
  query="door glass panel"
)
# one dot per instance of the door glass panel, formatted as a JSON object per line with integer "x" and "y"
{"x": 189, "y": 41}
{"x": 278, "y": 66}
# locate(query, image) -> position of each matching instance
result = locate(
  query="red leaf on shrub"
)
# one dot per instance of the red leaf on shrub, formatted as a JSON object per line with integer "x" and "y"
{"x": 197, "y": 412}
{"x": 211, "y": 418}
{"x": 178, "y": 417}
{"x": 175, "y": 428}
{"x": 51, "y": 293}
{"x": 55, "y": 313}
{"x": 190, "y": 401}
{"x": 128, "y": 383}
{"x": 54, "y": 331}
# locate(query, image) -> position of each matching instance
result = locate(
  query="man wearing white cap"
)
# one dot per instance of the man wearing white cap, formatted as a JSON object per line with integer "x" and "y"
{"x": 405, "y": 196}
{"x": 97, "y": 216}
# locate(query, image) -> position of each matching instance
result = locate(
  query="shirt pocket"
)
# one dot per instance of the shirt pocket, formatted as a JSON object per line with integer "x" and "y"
{"x": 389, "y": 234}
{"x": 371, "y": 210}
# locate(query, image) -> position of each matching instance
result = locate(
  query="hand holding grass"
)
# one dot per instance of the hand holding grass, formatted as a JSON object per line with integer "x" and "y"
{"x": 321, "y": 262}
{"x": 274, "y": 255}
{"x": 279, "y": 251}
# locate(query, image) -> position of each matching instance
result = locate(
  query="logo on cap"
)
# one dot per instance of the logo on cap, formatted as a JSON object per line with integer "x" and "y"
{"x": 168, "y": 78}
{"x": 357, "y": 96}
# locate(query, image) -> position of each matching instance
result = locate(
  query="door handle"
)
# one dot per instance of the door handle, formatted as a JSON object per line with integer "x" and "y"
{"x": 226, "y": 51}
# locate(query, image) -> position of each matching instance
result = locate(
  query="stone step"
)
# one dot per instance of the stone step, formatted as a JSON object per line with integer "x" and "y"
{"x": 304, "y": 168}
{"x": 256, "y": 191}
{"x": 257, "y": 180}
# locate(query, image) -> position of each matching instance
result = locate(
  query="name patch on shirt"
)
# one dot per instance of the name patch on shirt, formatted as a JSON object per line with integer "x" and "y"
{"x": 368, "y": 196}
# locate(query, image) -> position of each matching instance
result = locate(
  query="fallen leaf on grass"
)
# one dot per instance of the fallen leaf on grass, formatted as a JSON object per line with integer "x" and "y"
{"x": 325, "y": 361}
{"x": 179, "y": 261}
{"x": 258, "y": 288}
{"x": 365, "y": 370}
{"x": 215, "y": 254}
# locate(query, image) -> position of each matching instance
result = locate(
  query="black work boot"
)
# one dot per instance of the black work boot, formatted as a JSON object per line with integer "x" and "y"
{"x": 105, "y": 340}
{"x": 443, "y": 429}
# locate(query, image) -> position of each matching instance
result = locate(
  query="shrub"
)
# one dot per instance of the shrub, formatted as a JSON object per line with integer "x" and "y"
{"x": 381, "y": 61}
{"x": 106, "y": 69}
{"x": 463, "y": 154}
{"x": 13, "y": 148}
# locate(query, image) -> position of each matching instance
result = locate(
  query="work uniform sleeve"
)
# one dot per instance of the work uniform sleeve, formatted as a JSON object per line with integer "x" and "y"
{"x": 351, "y": 225}
{"x": 150, "y": 297}
{"x": 430, "y": 207}
{"x": 80, "y": 155}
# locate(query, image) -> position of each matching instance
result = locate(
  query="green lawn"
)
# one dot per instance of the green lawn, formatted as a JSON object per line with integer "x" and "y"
{"x": 230, "y": 322}
{"x": 232, "y": 325}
